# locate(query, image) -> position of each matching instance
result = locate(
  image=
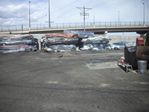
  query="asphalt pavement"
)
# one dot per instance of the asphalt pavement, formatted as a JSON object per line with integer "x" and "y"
{"x": 70, "y": 82}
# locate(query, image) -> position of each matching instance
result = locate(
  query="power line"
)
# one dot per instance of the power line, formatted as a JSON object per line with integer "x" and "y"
{"x": 84, "y": 14}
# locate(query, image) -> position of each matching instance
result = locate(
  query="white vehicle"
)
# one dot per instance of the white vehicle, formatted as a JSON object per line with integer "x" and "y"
{"x": 118, "y": 45}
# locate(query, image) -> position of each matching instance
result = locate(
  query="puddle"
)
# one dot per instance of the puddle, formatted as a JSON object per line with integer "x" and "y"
{"x": 142, "y": 83}
{"x": 53, "y": 82}
{"x": 103, "y": 65}
{"x": 104, "y": 85}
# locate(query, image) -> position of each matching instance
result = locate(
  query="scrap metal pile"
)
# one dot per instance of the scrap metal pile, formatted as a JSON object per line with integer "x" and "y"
{"x": 59, "y": 42}
{"x": 90, "y": 41}
{"x": 10, "y": 44}
{"x": 70, "y": 42}
{"x": 95, "y": 43}
{"x": 54, "y": 42}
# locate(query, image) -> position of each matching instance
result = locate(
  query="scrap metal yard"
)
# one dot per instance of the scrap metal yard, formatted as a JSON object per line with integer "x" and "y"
{"x": 74, "y": 56}
{"x": 86, "y": 81}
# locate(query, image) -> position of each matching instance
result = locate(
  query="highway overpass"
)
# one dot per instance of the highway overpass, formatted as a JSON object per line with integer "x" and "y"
{"x": 97, "y": 28}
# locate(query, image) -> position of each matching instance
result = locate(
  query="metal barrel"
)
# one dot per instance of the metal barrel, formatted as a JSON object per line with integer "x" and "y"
{"x": 142, "y": 66}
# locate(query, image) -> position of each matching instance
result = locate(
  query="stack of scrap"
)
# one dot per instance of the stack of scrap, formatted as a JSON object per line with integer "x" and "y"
{"x": 81, "y": 34}
{"x": 94, "y": 43}
{"x": 10, "y": 44}
{"x": 90, "y": 41}
{"x": 59, "y": 42}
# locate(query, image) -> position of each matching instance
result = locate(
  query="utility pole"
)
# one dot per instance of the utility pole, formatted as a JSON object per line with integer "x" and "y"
{"x": 94, "y": 21}
{"x": 29, "y": 19}
{"x": 118, "y": 17}
{"x": 49, "y": 12}
{"x": 143, "y": 3}
{"x": 84, "y": 14}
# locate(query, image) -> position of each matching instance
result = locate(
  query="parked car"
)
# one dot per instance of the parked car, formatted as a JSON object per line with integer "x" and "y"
{"x": 118, "y": 45}
{"x": 108, "y": 47}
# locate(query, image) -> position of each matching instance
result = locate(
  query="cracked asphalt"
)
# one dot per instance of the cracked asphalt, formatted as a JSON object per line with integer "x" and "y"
{"x": 70, "y": 82}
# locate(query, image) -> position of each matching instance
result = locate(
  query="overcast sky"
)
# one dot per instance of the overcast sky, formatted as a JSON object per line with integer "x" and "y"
{"x": 15, "y": 12}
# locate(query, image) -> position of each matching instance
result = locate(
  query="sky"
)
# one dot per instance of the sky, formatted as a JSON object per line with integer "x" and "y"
{"x": 15, "y": 12}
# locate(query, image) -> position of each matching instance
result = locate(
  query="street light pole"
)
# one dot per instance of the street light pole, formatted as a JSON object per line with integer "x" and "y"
{"x": 29, "y": 16}
{"x": 84, "y": 19}
{"x": 49, "y": 12}
{"x": 118, "y": 17}
{"x": 143, "y": 2}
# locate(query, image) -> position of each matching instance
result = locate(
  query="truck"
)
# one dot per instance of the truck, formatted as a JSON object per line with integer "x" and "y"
{"x": 132, "y": 54}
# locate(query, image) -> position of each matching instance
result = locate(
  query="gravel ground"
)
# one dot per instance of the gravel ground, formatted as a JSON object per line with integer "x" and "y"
{"x": 70, "y": 82}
